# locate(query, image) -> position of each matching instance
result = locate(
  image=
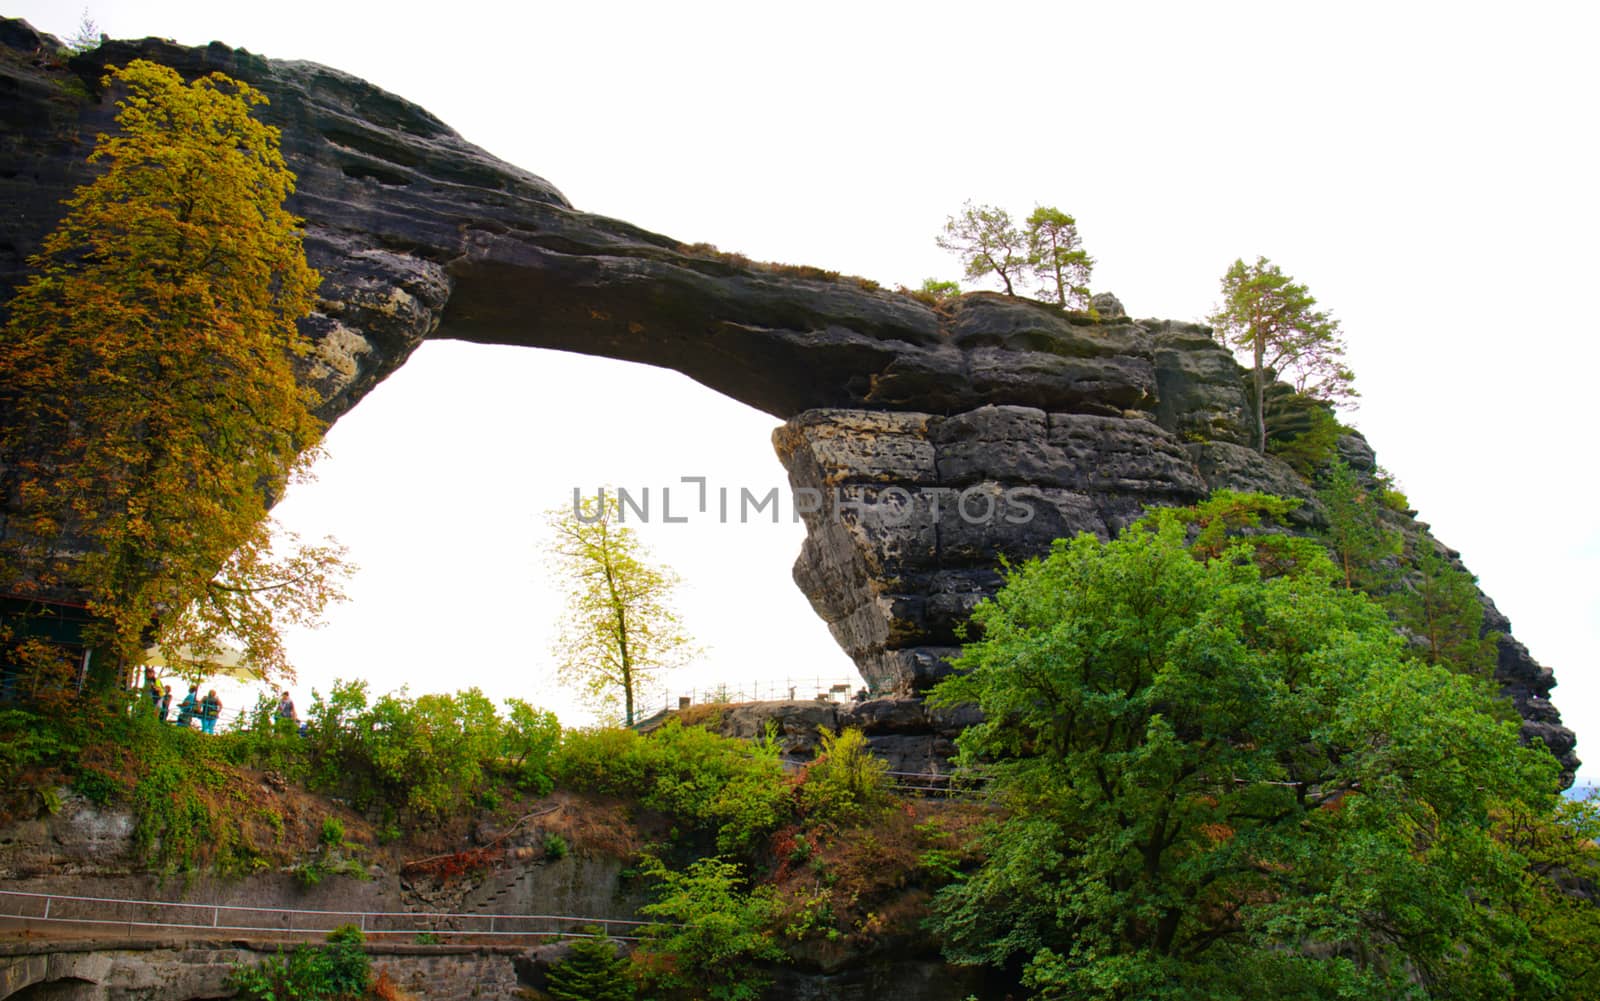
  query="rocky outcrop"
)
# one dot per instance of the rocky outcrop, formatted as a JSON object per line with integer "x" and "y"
{"x": 937, "y": 438}
{"x": 915, "y": 740}
{"x": 916, "y": 511}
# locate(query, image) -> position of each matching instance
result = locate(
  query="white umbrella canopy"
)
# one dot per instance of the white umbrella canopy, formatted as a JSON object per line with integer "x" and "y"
{"x": 227, "y": 663}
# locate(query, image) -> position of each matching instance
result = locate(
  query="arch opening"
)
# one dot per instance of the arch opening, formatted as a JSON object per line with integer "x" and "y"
{"x": 439, "y": 482}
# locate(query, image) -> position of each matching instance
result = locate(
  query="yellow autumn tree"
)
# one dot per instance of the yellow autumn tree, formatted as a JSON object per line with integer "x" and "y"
{"x": 150, "y": 408}
{"x": 620, "y": 631}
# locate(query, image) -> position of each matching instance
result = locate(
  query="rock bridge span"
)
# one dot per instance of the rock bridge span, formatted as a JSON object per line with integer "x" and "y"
{"x": 891, "y": 403}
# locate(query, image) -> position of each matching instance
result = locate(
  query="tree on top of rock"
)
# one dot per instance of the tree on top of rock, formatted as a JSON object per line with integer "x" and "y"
{"x": 1274, "y": 318}
{"x": 988, "y": 243}
{"x": 1047, "y": 247}
{"x": 1057, "y": 258}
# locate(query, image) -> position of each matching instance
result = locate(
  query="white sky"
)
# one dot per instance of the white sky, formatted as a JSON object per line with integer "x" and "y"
{"x": 1427, "y": 169}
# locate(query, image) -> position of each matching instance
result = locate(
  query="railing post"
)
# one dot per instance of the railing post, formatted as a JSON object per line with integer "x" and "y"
{"x": 47, "y": 908}
{"x": 216, "y": 914}
{"x": 491, "y": 924}
{"x": 363, "y": 924}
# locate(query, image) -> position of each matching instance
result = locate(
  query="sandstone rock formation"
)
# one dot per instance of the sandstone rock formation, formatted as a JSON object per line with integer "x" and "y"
{"x": 930, "y": 431}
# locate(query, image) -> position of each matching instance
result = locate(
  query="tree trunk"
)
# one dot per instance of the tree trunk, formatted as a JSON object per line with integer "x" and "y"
{"x": 1261, "y": 394}
{"x": 622, "y": 641}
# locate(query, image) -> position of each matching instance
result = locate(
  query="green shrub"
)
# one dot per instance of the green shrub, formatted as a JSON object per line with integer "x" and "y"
{"x": 94, "y": 786}
{"x": 28, "y": 739}
{"x": 428, "y": 756}
{"x": 332, "y": 832}
{"x": 262, "y": 740}
{"x": 555, "y": 847}
{"x": 722, "y": 784}
{"x": 528, "y": 741}
{"x": 611, "y": 761}
{"x": 731, "y": 789}
{"x": 718, "y": 932}
{"x": 337, "y": 971}
{"x": 846, "y": 783}
{"x": 592, "y": 971}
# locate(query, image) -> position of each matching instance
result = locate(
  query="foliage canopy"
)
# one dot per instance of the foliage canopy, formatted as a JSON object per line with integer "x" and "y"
{"x": 1222, "y": 784}
{"x": 1056, "y": 256}
{"x": 620, "y": 631}
{"x": 988, "y": 243}
{"x": 1274, "y": 318}
{"x": 1047, "y": 247}
{"x": 428, "y": 755}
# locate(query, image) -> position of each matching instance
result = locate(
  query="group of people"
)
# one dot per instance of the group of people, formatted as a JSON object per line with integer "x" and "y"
{"x": 207, "y": 710}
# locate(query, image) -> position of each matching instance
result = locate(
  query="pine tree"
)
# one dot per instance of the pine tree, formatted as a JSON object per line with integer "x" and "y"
{"x": 1442, "y": 610}
{"x": 988, "y": 242}
{"x": 1057, "y": 258}
{"x": 592, "y": 971}
{"x": 1273, "y": 317}
{"x": 1364, "y": 548}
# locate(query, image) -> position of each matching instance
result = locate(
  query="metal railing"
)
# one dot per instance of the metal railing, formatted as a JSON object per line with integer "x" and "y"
{"x": 180, "y": 916}
{"x": 936, "y": 783}
{"x": 837, "y": 689}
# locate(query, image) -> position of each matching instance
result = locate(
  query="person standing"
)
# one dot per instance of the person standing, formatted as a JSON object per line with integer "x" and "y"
{"x": 166, "y": 702}
{"x": 210, "y": 709}
{"x": 152, "y": 689}
{"x": 190, "y": 706}
{"x": 286, "y": 713}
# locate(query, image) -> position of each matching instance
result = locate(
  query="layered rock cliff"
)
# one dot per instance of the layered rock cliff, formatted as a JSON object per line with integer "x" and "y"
{"x": 938, "y": 438}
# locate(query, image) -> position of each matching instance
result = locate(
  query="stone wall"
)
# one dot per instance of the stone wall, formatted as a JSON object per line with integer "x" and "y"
{"x": 178, "y": 970}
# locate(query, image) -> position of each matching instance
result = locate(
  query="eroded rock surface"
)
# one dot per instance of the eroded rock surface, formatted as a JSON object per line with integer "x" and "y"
{"x": 943, "y": 438}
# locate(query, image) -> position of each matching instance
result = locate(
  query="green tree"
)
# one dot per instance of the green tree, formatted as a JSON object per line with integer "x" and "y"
{"x": 846, "y": 783}
{"x": 1563, "y": 853}
{"x": 1057, "y": 258}
{"x": 592, "y": 971}
{"x": 1439, "y": 605}
{"x": 529, "y": 741}
{"x": 1364, "y": 548}
{"x": 1272, "y": 317}
{"x": 620, "y": 631}
{"x": 1224, "y": 785}
{"x": 988, "y": 243}
{"x": 150, "y": 406}
{"x": 86, "y": 38}
{"x": 717, "y": 932}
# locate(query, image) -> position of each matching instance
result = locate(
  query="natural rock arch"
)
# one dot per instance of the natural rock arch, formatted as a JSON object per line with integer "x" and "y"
{"x": 891, "y": 403}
